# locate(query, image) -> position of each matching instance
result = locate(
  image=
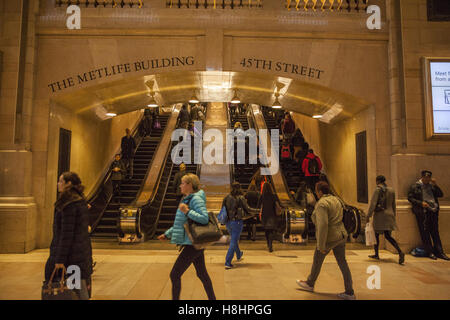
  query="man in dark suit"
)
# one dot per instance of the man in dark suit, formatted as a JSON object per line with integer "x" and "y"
{"x": 423, "y": 196}
{"x": 128, "y": 145}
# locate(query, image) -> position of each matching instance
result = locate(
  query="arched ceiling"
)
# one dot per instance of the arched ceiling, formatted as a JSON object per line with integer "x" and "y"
{"x": 211, "y": 86}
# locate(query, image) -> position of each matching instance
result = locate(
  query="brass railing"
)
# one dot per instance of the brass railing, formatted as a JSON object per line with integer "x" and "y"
{"x": 330, "y": 5}
{"x": 104, "y": 3}
{"x": 214, "y": 4}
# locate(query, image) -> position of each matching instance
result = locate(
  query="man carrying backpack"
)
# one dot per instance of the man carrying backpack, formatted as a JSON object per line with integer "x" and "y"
{"x": 331, "y": 235}
{"x": 311, "y": 167}
{"x": 382, "y": 209}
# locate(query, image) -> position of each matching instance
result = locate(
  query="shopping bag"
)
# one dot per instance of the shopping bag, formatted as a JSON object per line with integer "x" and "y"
{"x": 370, "y": 235}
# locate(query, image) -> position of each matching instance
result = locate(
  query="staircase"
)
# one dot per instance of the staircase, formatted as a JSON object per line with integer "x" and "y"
{"x": 107, "y": 228}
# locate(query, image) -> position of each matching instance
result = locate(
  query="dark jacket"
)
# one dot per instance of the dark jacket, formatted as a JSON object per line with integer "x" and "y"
{"x": 128, "y": 145}
{"x": 288, "y": 126}
{"x": 71, "y": 244}
{"x": 177, "y": 181}
{"x": 297, "y": 138}
{"x": 252, "y": 198}
{"x": 415, "y": 196}
{"x": 119, "y": 175}
{"x": 267, "y": 203}
{"x": 232, "y": 204}
{"x": 184, "y": 116}
{"x": 305, "y": 164}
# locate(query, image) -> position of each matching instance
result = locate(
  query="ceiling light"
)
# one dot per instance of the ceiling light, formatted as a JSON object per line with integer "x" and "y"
{"x": 317, "y": 116}
{"x": 194, "y": 99}
{"x": 235, "y": 98}
{"x": 276, "y": 104}
{"x": 152, "y": 103}
{"x": 111, "y": 114}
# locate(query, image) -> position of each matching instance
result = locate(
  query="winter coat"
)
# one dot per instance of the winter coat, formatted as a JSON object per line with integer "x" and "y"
{"x": 252, "y": 198}
{"x": 197, "y": 212}
{"x": 128, "y": 145}
{"x": 71, "y": 244}
{"x": 288, "y": 127}
{"x": 232, "y": 204}
{"x": 383, "y": 220}
{"x": 268, "y": 214}
{"x": 415, "y": 196}
{"x": 327, "y": 217}
{"x": 305, "y": 164}
{"x": 119, "y": 175}
{"x": 184, "y": 116}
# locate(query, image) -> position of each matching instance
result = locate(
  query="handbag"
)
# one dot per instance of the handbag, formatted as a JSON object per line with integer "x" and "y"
{"x": 370, "y": 235}
{"x": 57, "y": 290}
{"x": 203, "y": 235}
{"x": 223, "y": 215}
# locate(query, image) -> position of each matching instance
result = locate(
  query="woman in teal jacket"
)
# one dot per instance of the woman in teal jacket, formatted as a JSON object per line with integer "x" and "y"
{"x": 192, "y": 206}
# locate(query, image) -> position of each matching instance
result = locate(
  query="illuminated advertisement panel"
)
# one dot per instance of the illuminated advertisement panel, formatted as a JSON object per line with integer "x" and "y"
{"x": 437, "y": 84}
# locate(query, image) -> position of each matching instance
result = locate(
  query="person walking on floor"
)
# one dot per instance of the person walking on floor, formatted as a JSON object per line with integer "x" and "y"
{"x": 237, "y": 210}
{"x": 267, "y": 203}
{"x": 252, "y": 197}
{"x": 71, "y": 244}
{"x": 423, "y": 196}
{"x": 330, "y": 235}
{"x": 128, "y": 145}
{"x": 383, "y": 211}
{"x": 192, "y": 206}
{"x": 118, "y": 172}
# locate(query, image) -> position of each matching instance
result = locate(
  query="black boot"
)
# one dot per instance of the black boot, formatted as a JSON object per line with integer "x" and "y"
{"x": 401, "y": 258}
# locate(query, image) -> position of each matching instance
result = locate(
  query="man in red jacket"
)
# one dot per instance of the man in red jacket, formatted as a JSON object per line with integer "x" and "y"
{"x": 311, "y": 167}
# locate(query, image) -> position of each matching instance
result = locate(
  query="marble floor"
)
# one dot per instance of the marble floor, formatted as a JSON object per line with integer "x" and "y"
{"x": 144, "y": 274}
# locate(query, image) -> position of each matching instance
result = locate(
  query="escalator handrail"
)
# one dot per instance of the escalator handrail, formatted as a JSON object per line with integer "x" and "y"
{"x": 106, "y": 176}
{"x": 150, "y": 164}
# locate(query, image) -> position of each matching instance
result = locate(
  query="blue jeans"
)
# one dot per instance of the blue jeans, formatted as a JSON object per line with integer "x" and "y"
{"x": 234, "y": 229}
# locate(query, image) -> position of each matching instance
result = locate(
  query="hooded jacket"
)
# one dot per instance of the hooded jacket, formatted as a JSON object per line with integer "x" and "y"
{"x": 197, "y": 212}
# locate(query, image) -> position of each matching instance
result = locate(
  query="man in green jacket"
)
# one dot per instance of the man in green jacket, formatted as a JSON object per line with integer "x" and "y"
{"x": 330, "y": 235}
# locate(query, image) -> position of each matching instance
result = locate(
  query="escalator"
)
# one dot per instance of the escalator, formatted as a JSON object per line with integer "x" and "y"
{"x": 293, "y": 176}
{"x": 170, "y": 202}
{"x": 106, "y": 226}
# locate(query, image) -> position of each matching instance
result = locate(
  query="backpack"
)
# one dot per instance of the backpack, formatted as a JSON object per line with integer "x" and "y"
{"x": 382, "y": 201}
{"x": 351, "y": 219}
{"x": 313, "y": 166}
{"x": 285, "y": 152}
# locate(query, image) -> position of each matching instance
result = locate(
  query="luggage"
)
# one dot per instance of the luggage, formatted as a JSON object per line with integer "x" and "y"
{"x": 419, "y": 252}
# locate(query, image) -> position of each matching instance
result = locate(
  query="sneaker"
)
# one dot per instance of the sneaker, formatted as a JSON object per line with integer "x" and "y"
{"x": 375, "y": 257}
{"x": 346, "y": 296}
{"x": 227, "y": 267}
{"x": 305, "y": 286}
{"x": 241, "y": 257}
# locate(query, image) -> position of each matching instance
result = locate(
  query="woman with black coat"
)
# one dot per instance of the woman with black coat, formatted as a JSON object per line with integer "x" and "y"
{"x": 268, "y": 214}
{"x": 71, "y": 245}
{"x": 252, "y": 197}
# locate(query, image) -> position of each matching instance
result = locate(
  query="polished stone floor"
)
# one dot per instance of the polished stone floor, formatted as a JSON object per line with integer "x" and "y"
{"x": 144, "y": 274}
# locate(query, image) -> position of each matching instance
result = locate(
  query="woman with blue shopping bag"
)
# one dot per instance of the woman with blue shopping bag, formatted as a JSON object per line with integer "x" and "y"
{"x": 234, "y": 211}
